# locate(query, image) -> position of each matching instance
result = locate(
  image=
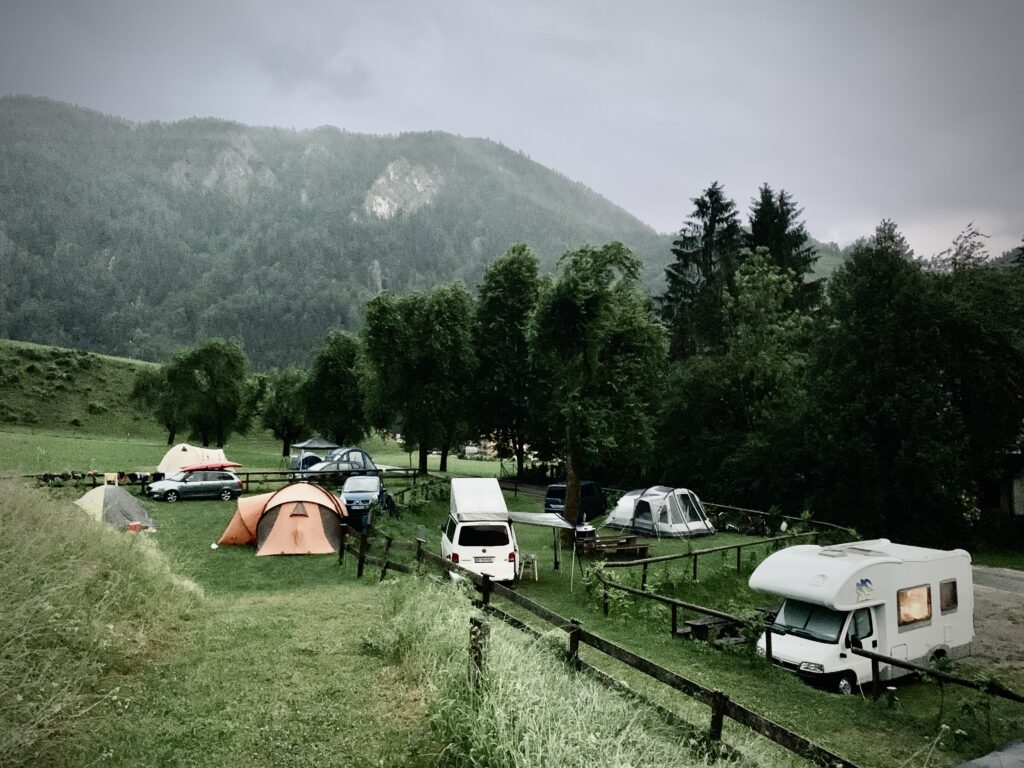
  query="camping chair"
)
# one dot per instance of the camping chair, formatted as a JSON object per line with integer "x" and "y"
{"x": 527, "y": 561}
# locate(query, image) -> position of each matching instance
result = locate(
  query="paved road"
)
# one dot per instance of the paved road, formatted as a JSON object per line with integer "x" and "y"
{"x": 1003, "y": 579}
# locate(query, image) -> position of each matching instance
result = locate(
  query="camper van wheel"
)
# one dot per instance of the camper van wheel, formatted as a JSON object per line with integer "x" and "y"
{"x": 225, "y": 495}
{"x": 937, "y": 660}
{"x": 171, "y": 496}
{"x": 845, "y": 683}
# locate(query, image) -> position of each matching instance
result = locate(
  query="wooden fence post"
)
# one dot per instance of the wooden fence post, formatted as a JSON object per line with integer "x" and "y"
{"x": 643, "y": 579}
{"x": 479, "y": 631}
{"x": 344, "y": 540}
{"x": 739, "y": 550}
{"x": 419, "y": 550}
{"x": 604, "y": 598}
{"x": 768, "y": 643}
{"x": 485, "y": 590}
{"x": 718, "y": 702}
{"x": 362, "y": 555}
{"x": 876, "y": 678}
{"x": 384, "y": 565}
{"x": 675, "y": 619}
{"x": 694, "y": 559}
{"x": 573, "y": 655}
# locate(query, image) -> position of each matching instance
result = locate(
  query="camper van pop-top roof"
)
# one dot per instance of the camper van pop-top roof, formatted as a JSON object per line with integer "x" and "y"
{"x": 830, "y": 576}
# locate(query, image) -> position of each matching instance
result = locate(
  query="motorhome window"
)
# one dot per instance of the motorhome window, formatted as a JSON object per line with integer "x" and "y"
{"x": 814, "y": 622}
{"x": 860, "y": 624}
{"x": 483, "y": 536}
{"x": 947, "y": 596}
{"x": 914, "y": 605}
{"x": 449, "y": 532}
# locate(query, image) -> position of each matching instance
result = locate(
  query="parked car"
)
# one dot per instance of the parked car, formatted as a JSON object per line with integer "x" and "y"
{"x": 360, "y": 493}
{"x": 199, "y": 484}
{"x": 592, "y": 500}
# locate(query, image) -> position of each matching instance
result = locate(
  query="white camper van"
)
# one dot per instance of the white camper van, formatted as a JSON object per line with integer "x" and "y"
{"x": 905, "y": 602}
{"x": 479, "y": 534}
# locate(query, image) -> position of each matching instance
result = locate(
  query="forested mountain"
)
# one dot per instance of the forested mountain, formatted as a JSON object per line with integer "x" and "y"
{"x": 140, "y": 239}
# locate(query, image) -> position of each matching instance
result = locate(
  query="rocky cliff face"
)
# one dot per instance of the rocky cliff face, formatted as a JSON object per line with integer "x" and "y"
{"x": 401, "y": 189}
{"x": 235, "y": 172}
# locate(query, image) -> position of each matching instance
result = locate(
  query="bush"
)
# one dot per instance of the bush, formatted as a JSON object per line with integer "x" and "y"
{"x": 96, "y": 408}
{"x": 81, "y": 603}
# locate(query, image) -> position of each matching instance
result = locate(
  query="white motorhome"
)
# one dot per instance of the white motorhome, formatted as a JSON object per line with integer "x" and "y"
{"x": 478, "y": 534}
{"x": 901, "y": 601}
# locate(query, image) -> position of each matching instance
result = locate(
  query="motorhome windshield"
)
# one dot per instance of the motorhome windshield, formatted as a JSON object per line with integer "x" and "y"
{"x": 813, "y": 622}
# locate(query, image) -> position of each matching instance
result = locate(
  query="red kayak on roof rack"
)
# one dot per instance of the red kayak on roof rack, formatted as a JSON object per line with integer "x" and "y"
{"x": 210, "y": 465}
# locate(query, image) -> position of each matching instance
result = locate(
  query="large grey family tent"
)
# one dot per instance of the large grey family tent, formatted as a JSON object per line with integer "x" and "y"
{"x": 661, "y": 511}
{"x": 299, "y": 519}
{"x": 113, "y": 504}
{"x": 183, "y": 455}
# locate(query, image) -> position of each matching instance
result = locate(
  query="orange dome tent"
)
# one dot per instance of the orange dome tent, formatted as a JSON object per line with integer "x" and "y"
{"x": 299, "y": 519}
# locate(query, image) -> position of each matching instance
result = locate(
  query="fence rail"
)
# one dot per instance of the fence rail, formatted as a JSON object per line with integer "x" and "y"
{"x": 693, "y": 555}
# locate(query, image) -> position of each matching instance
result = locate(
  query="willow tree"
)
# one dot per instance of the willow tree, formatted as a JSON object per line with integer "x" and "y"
{"x": 600, "y": 352}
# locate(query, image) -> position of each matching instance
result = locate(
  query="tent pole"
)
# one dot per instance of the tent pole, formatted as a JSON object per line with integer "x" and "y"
{"x": 555, "y": 547}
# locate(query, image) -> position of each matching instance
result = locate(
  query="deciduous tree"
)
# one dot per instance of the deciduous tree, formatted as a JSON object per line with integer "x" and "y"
{"x": 334, "y": 389}
{"x": 284, "y": 408}
{"x": 601, "y": 351}
{"x": 504, "y": 382}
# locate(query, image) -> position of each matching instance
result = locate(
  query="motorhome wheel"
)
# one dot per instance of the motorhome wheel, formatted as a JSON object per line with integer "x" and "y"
{"x": 846, "y": 683}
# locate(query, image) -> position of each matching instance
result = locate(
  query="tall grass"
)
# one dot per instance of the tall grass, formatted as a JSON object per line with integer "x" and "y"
{"x": 80, "y": 604}
{"x": 530, "y": 710}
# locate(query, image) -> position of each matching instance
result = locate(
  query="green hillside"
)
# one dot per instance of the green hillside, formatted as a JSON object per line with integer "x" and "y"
{"x": 137, "y": 240}
{"x": 70, "y": 391}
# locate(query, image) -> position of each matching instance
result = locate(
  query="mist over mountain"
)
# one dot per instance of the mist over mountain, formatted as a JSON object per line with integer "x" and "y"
{"x": 138, "y": 239}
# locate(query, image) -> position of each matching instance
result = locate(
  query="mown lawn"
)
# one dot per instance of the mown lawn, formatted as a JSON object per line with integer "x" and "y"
{"x": 273, "y": 675}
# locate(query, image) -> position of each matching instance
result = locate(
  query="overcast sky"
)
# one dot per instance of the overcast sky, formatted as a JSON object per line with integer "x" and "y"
{"x": 908, "y": 110}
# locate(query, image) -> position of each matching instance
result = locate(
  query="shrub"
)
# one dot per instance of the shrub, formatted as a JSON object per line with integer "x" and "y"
{"x": 96, "y": 408}
{"x": 81, "y": 604}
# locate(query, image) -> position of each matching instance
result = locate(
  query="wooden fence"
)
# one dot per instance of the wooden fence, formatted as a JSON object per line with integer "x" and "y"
{"x": 720, "y": 704}
{"x": 693, "y": 555}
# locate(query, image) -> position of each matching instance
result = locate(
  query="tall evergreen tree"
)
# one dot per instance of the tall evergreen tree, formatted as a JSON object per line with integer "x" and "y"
{"x": 707, "y": 254}
{"x": 775, "y": 224}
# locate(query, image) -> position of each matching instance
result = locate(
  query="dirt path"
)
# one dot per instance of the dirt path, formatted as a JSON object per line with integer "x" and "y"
{"x": 999, "y": 623}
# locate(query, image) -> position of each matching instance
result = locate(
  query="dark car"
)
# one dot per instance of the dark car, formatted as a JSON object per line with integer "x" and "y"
{"x": 363, "y": 493}
{"x": 197, "y": 484}
{"x": 592, "y": 500}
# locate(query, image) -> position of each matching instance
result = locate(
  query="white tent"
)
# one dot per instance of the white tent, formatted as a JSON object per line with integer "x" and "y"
{"x": 183, "y": 454}
{"x": 661, "y": 511}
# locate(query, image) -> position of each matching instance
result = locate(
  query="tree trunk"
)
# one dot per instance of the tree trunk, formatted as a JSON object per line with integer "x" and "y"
{"x": 286, "y": 448}
{"x": 423, "y": 458}
{"x": 170, "y": 436}
{"x": 572, "y": 482}
{"x": 520, "y": 460}
{"x": 444, "y": 456}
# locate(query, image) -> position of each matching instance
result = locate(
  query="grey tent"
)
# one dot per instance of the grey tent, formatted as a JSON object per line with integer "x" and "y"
{"x": 113, "y": 504}
{"x": 661, "y": 511}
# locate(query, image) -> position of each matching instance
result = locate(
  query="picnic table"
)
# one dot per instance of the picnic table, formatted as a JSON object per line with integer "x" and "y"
{"x": 624, "y": 546}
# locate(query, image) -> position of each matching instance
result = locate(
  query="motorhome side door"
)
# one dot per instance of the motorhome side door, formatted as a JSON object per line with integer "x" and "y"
{"x": 861, "y": 632}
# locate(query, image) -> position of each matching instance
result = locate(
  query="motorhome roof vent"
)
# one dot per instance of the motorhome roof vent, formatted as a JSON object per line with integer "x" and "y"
{"x": 830, "y": 552}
